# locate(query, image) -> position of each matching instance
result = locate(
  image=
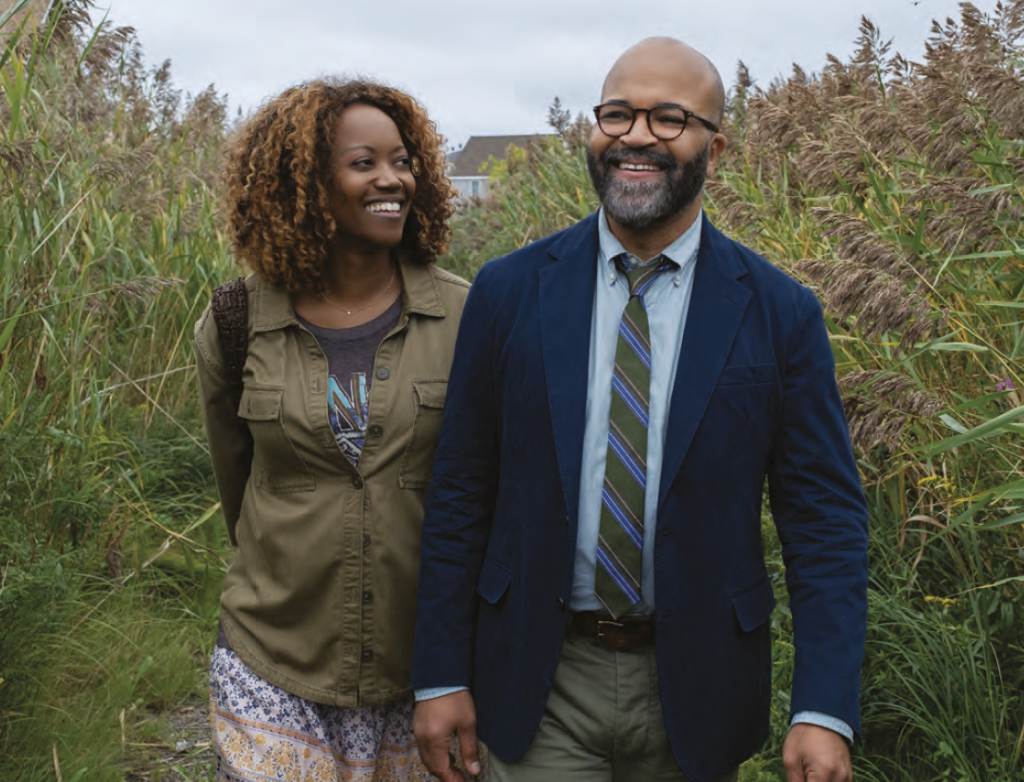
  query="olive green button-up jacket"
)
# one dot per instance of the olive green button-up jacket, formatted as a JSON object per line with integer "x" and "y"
{"x": 320, "y": 597}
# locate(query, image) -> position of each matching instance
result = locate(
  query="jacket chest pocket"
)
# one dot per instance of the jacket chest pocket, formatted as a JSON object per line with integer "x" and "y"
{"x": 277, "y": 466}
{"x": 418, "y": 459}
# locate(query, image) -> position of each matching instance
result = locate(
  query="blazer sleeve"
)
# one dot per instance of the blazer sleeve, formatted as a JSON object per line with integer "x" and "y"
{"x": 460, "y": 504}
{"x": 226, "y": 433}
{"x": 821, "y": 517}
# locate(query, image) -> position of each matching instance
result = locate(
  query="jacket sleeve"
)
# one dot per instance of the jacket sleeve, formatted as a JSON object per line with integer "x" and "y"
{"x": 226, "y": 433}
{"x": 820, "y": 514}
{"x": 460, "y": 504}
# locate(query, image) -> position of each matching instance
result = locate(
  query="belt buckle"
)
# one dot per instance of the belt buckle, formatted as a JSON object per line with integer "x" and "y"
{"x": 616, "y": 641}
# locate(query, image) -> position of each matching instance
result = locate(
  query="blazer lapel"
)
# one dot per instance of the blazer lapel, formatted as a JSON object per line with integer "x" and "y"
{"x": 566, "y": 295}
{"x": 717, "y": 305}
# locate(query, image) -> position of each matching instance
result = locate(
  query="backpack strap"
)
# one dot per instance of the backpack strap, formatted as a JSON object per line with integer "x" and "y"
{"x": 230, "y": 308}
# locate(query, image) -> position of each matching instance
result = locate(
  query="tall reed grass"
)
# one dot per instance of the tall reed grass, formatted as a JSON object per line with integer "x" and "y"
{"x": 109, "y": 244}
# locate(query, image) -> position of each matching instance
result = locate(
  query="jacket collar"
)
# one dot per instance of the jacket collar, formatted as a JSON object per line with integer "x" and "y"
{"x": 272, "y": 307}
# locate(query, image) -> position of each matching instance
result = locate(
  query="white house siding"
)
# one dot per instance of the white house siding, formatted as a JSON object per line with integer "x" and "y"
{"x": 469, "y": 186}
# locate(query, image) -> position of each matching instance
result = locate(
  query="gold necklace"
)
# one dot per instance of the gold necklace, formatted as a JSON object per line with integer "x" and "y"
{"x": 378, "y": 297}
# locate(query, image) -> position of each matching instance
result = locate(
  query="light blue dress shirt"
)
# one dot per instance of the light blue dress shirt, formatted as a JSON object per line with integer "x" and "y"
{"x": 667, "y": 300}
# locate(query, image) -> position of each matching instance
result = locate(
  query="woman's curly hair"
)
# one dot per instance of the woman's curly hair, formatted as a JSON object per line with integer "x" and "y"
{"x": 279, "y": 165}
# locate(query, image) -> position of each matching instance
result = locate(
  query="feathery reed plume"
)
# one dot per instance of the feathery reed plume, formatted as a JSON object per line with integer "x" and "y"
{"x": 17, "y": 156}
{"x": 965, "y": 215}
{"x": 142, "y": 288}
{"x": 880, "y": 404}
{"x": 870, "y": 279}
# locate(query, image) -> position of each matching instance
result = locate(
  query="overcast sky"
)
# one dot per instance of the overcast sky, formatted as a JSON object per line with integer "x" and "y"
{"x": 492, "y": 66}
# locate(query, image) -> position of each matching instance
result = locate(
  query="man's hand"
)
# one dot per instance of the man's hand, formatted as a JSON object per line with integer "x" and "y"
{"x": 435, "y": 722}
{"x": 815, "y": 754}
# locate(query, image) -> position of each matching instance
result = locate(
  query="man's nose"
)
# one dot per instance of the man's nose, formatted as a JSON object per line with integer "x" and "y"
{"x": 640, "y": 134}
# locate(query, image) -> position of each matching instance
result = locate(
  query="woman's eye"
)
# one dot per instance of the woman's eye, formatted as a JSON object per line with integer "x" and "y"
{"x": 404, "y": 161}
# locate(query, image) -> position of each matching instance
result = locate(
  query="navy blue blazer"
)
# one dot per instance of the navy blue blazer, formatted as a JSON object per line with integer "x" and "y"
{"x": 755, "y": 397}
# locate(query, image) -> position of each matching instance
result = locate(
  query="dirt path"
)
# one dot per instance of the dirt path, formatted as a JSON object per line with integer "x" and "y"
{"x": 183, "y": 753}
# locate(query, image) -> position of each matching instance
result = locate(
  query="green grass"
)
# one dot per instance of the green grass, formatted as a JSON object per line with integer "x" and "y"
{"x": 111, "y": 546}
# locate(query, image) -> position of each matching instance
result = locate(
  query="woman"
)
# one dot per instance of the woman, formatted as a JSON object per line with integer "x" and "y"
{"x": 338, "y": 202}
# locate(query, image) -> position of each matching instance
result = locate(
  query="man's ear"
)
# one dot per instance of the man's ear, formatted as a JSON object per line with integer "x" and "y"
{"x": 716, "y": 147}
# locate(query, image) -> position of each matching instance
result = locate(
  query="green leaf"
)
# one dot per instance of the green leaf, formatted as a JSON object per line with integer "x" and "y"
{"x": 962, "y": 347}
{"x": 1014, "y": 519}
{"x": 996, "y": 426}
{"x": 12, "y": 11}
{"x": 12, "y": 321}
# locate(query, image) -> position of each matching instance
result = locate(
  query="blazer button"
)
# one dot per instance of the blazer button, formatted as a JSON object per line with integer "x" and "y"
{"x": 561, "y": 604}
{"x": 375, "y": 431}
{"x": 383, "y": 373}
{"x": 357, "y": 481}
{"x": 367, "y": 655}
{"x": 366, "y": 541}
{"x": 368, "y": 597}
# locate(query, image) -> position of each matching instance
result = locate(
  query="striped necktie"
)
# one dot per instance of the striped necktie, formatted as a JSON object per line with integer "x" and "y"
{"x": 621, "y": 530}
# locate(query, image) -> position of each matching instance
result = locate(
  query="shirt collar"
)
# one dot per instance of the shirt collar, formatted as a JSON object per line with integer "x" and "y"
{"x": 682, "y": 251}
{"x": 272, "y": 307}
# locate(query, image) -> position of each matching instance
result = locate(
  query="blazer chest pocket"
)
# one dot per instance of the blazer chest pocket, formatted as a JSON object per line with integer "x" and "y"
{"x": 418, "y": 459}
{"x": 277, "y": 466}
{"x": 756, "y": 374}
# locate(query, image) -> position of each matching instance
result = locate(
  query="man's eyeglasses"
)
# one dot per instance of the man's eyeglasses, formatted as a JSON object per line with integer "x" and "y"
{"x": 665, "y": 122}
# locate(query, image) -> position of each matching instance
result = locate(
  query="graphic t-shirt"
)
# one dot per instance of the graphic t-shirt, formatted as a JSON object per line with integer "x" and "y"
{"x": 350, "y": 353}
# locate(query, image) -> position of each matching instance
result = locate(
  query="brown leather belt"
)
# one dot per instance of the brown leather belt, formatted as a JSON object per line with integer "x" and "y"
{"x": 622, "y": 635}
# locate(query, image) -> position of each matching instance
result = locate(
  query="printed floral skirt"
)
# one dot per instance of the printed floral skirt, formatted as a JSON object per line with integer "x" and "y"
{"x": 263, "y": 733}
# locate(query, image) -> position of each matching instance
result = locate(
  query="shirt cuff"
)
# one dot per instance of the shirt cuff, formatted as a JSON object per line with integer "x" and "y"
{"x": 429, "y": 693}
{"x": 813, "y": 718}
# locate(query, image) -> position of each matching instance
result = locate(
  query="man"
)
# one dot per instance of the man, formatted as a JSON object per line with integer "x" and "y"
{"x": 592, "y": 567}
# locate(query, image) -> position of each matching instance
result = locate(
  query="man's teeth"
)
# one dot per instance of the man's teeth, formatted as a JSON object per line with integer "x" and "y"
{"x": 638, "y": 167}
{"x": 388, "y": 206}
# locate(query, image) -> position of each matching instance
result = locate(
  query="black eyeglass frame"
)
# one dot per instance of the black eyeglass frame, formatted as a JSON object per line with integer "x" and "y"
{"x": 687, "y": 116}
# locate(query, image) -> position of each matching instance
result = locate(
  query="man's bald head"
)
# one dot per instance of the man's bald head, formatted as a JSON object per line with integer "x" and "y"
{"x": 667, "y": 57}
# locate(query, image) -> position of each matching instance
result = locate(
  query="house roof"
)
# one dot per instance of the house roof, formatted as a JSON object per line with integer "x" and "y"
{"x": 479, "y": 149}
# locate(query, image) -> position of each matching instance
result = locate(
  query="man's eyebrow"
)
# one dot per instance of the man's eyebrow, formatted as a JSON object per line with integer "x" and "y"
{"x": 627, "y": 104}
{"x": 369, "y": 148}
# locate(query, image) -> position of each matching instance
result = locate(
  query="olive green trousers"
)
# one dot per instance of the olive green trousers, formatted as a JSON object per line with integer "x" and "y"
{"x": 602, "y": 723}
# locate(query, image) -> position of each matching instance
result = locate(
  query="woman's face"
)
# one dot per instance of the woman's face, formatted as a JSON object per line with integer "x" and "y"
{"x": 372, "y": 185}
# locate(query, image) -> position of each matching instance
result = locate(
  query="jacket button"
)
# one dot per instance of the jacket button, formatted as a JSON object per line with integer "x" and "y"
{"x": 375, "y": 431}
{"x": 367, "y": 596}
{"x": 357, "y": 481}
{"x": 561, "y": 604}
{"x": 366, "y": 541}
{"x": 367, "y": 655}
{"x": 383, "y": 373}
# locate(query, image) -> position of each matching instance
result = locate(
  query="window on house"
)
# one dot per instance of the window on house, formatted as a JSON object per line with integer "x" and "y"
{"x": 474, "y": 188}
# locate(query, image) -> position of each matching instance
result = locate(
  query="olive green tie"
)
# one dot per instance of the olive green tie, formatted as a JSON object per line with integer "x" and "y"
{"x": 621, "y": 530}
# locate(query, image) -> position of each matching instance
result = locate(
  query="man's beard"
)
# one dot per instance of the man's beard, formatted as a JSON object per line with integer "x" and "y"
{"x": 639, "y": 205}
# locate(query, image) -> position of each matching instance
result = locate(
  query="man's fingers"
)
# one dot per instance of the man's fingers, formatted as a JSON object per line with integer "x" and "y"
{"x": 469, "y": 748}
{"x": 436, "y": 722}
{"x": 794, "y": 773}
{"x": 438, "y": 761}
{"x": 815, "y": 754}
